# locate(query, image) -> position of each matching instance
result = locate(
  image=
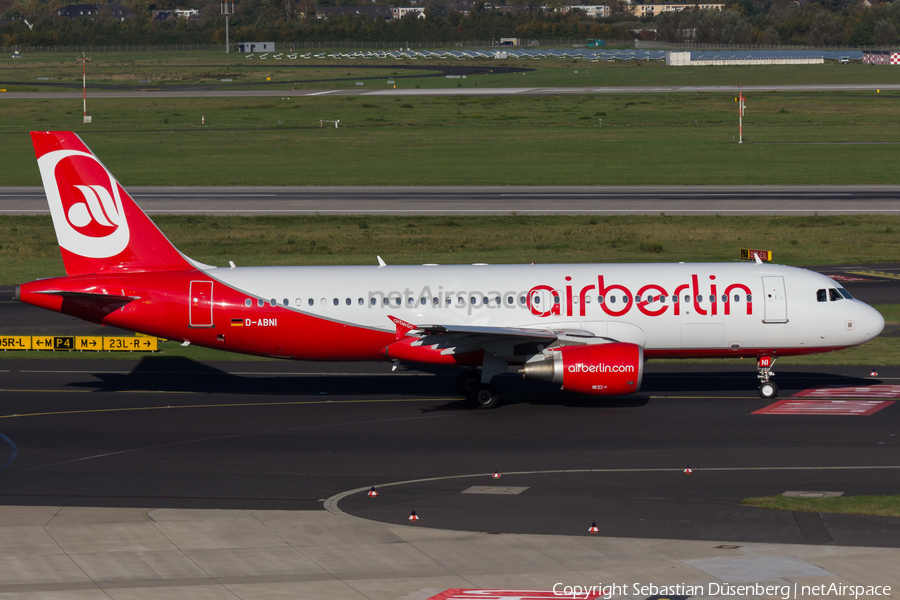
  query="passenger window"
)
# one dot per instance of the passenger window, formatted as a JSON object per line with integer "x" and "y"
{"x": 820, "y": 296}
{"x": 485, "y": 300}
{"x": 460, "y": 300}
{"x": 625, "y": 299}
{"x": 311, "y": 302}
{"x": 662, "y": 299}
{"x": 587, "y": 299}
{"x": 555, "y": 299}
{"x": 323, "y": 302}
{"x": 360, "y": 301}
{"x": 373, "y": 301}
{"x": 522, "y": 300}
{"x": 298, "y": 301}
{"x": 737, "y": 298}
{"x": 699, "y": 298}
{"x": 724, "y": 298}
{"x": 638, "y": 299}
{"x": 687, "y": 298}
{"x": 448, "y": 300}
{"x": 599, "y": 299}
{"x": 536, "y": 299}
{"x": 347, "y": 301}
{"x": 749, "y": 297}
{"x": 336, "y": 302}
{"x": 273, "y": 303}
{"x": 410, "y": 301}
{"x": 712, "y": 298}
{"x": 674, "y": 299}
{"x": 435, "y": 301}
{"x": 422, "y": 301}
{"x": 285, "y": 302}
{"x": 248, "y": 302}
{"x": 473, "y": 300}
{"x": 398, "y": 301}
{"x": 612, "y": 299}
{"x": 510, "y": 300}
{"x": 260, "y": 302}
{"x": 833, "y": 295}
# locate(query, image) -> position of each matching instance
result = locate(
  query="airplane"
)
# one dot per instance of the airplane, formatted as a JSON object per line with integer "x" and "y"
{"x": 587, "y": 327}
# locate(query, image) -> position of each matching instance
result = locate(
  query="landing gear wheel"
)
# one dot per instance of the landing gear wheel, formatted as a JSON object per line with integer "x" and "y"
{"x": 466, "y": 382}
{"x": 768, "y": 390}
{"x": 485, "y": 396}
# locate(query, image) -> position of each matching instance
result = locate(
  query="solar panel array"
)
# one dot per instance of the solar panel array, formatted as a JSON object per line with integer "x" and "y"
{"x": 586, "y": 54}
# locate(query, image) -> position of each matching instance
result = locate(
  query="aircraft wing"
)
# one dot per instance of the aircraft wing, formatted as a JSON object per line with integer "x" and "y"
{"x": 499, "y": 341}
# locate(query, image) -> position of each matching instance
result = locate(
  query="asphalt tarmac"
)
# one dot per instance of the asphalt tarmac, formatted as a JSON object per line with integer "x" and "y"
{"x": 267, "y": 435}
{"x": 303, "y": 436}
{"x": 481, "y": 200}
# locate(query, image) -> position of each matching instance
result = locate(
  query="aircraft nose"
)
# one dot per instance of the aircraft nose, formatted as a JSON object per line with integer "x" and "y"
{"x": 871, "y": 323}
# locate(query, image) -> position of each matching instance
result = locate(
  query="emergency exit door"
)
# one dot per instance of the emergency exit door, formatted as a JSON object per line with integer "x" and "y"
{"x": 774, "y": 300}
{"x": 201, "y": 304}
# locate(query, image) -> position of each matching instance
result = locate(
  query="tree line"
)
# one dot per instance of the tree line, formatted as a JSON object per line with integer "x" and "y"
{"x": 826, "y": 22}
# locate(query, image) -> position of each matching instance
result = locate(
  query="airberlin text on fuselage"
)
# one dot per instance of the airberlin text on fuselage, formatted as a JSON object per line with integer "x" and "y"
{"x": 705, "y": 296}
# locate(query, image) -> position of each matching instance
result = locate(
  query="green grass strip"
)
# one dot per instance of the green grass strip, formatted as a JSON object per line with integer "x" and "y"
{"x": 882, "y": 506}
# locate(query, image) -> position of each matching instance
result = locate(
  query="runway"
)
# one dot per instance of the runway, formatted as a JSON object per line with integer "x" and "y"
{"x": 485, "y": 200}
{"x": 286, "y": 88}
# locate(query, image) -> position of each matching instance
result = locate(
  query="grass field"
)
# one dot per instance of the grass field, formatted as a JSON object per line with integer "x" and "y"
{"x": 29, "y": 248}
{"x": 884, "y": 506}
{"x": 649, "y": 139}
{"x": 176, "y": 68}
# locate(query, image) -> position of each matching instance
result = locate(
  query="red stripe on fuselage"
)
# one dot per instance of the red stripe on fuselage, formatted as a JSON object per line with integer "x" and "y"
{"x": 163, "y": 310}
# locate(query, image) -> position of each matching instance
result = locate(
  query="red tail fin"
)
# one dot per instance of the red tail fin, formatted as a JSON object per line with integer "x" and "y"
{"x": 98, "y": 226}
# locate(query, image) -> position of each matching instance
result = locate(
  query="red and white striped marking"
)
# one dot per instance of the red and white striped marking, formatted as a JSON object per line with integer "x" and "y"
{"x": 842, "y": 408}
{"x": 460, "y": 594}
{"x": 864, "y": 391}
{"x": 849, "y": 278}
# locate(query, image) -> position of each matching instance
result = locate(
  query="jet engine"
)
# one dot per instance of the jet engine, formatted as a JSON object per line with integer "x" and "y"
{"x": 599, "y": 369}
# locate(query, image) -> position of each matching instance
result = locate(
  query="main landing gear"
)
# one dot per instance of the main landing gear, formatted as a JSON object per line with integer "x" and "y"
{"x": 767, "y": 389}
{"x": 482, "y": 395}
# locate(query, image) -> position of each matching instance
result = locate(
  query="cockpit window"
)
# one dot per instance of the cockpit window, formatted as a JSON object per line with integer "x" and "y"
{"x": 845, "y": 294}
{"x": 821, "y": 296}
{"x": 833, "y": 295}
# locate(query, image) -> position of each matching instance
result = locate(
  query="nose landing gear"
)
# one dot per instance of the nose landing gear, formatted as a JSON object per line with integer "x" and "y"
{"x": 767, "y": 389}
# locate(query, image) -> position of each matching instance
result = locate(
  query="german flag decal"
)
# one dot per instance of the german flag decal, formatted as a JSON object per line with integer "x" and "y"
{"x": 237, "y": 322}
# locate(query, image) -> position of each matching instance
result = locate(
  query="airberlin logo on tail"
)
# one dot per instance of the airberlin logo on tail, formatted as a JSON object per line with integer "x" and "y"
{"x": 85, "y": 204}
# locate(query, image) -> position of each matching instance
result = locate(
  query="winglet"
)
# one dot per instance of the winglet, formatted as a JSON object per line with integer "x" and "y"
{"x": 402, "y": 326}
{"x": 381, "y": 262}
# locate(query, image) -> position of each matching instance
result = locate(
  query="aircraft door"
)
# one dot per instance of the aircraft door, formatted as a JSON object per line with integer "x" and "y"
{"x": 775, "y": 300}
{"x": 201, "y": 304}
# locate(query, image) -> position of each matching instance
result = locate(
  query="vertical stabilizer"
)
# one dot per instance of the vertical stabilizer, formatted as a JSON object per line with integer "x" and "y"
{"x": 98, "y": 226}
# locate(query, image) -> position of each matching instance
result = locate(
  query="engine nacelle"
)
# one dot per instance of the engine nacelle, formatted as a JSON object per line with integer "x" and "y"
{"x": 599, "y": 369}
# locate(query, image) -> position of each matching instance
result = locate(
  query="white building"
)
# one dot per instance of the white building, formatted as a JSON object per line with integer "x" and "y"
{"x": 401, "y": 11}
{"x": 596, "y": 11}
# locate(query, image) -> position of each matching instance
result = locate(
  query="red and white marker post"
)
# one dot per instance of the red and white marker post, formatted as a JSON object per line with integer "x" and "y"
{"x": 83, "y": 60}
